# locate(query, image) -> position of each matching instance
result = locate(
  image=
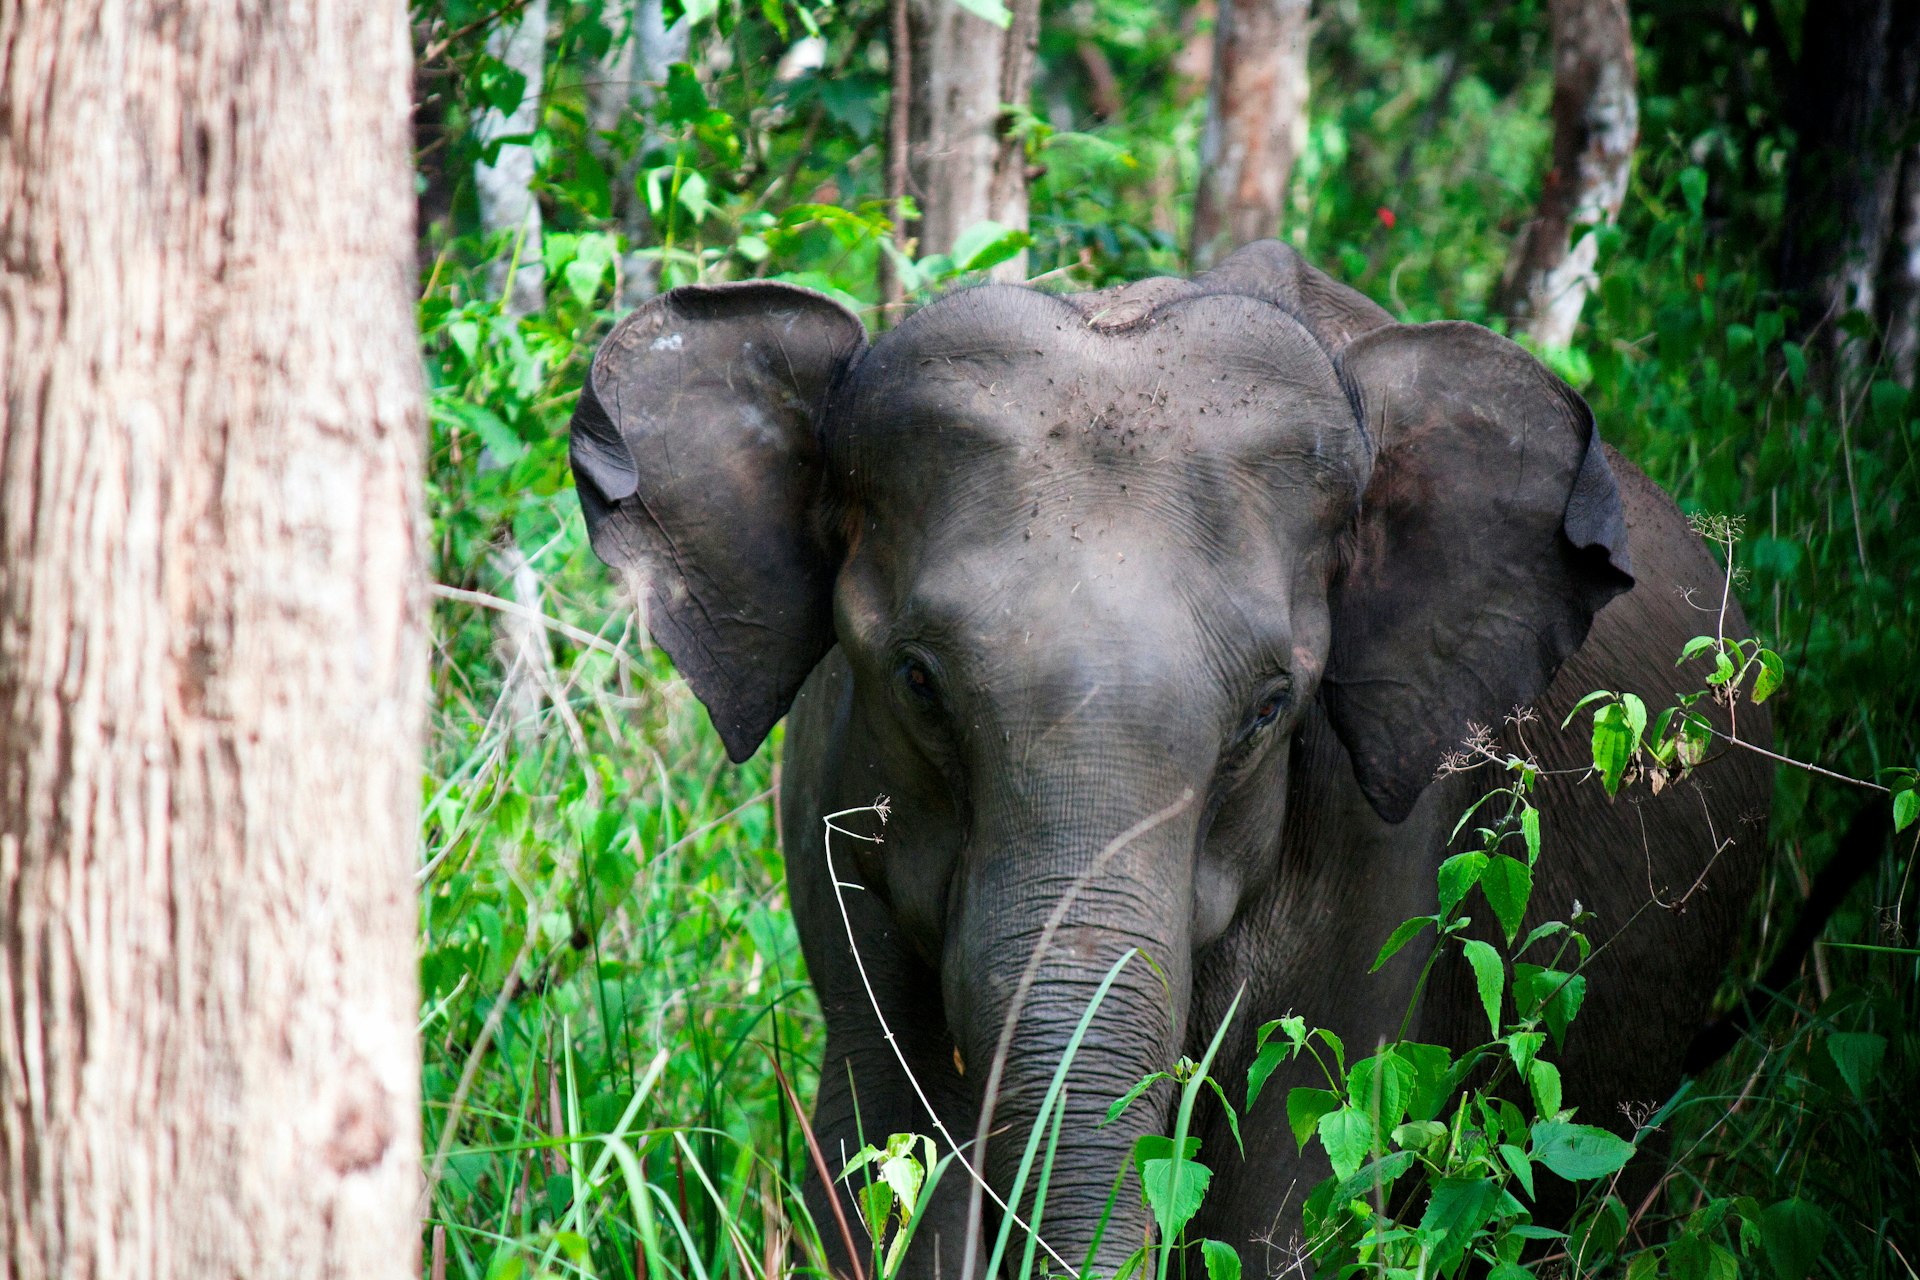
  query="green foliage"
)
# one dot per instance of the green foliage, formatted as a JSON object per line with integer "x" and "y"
{"x": 598, "y": 886}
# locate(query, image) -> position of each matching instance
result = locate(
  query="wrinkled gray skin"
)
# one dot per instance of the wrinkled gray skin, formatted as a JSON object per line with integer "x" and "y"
{"x": 1037, "y": 567}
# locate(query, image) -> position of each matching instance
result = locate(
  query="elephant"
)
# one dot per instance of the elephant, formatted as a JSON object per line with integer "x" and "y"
{"x": 1227, "y": 566}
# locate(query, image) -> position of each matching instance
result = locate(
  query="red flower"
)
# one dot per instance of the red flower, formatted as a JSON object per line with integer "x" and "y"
{"x": 1386, "y": 217}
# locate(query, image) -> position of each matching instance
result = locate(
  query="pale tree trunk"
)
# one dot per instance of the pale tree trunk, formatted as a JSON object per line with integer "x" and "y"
{"x": 964, "y": 168}
{"x": 1903, "y": 276}
{"x": 632, "y": 76}
{"x": 1256, "y": 124}
{"x": 505, "y": 187}
{"x": 1596, "y": 125}
{"x": 212, "y": 644}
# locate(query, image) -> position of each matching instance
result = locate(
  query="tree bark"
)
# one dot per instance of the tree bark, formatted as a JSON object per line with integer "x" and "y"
{"x": 1256, "y": 125}
{"x": 1596, "y": 125}
{"x": 632, "y": 76}
{"x": 1903, "y": 276}
{"x": 505, "y": 187}
{"x": 212, "y": 645}
{"x": 964, "y": 166}
{"x": 1856, "y": 93}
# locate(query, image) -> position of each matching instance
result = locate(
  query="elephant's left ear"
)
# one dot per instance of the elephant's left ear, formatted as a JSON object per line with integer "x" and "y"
{"x": 1489, "y": 535}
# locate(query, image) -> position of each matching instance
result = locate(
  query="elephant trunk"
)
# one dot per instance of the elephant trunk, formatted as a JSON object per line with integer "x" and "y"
{"x": 1085, "y": 905}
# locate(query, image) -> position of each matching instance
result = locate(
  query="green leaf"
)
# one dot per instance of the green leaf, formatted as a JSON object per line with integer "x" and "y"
{"x": 987, "y": 244}
{"x": 1347, "y": 1135}
{"x": 1458, "y": 874}
{"x": 1489, "y": 975}
{"x": 1127, "y": 1099}
{"x": 1222, "y": 1262}
{"x": 1693, "y": 187}
{"x": 1543, "y": 1082}
{"x": 1594, "y": 1238}
{"x": 1458, "y": 1209}
{"x": 1636, "y": 712}
{"x": 1530, "y": 832}
{"x": 1579, "y": 1152}
{"x": 1264, "y": 1064}
{"x": 1549, "y": 994}
{"x": 1174, "y": 1190}
{"x": 1376, "y": 1175}
{"x": 1516, "y": 1160}
{"x": 1792, "y": 1234}
{"x": 1772, "y": 672}
{"x": 1389, "y": 1077}
{"x": 1430, "y": 1063}
{"x": 1404, "y": 934}
{"x": 1508, "y": 886}
{"x": 1612, "y": 745}
{"x": 992, "y": 10}
{"x": 1857, "y": 1054}
{"x": 1906, "y": 807}
{"x": 1305, "y": 1107}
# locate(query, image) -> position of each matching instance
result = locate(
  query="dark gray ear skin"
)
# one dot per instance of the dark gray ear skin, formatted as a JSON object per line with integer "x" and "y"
{"x": 698, "y": 463}
{"x": 1273, "y": 271}
{"x": 1490, "y": 534}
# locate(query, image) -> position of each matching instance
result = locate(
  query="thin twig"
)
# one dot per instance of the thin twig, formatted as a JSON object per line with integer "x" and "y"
{"x": 571, "y": 632}
{"x": 886, "y": 1033}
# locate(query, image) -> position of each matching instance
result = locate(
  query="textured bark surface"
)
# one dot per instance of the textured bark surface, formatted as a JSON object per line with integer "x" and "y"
{"x": 1856, "y": 95}
{"x": 1596, "y": 124}
{"x": 1256, "y": 125}
{"x": 963, "y": 169}
{"x": 212, "y": 651}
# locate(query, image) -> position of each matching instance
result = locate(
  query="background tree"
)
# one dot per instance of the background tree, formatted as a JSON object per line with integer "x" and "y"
{"x": 1256, "y": 124}
{"x": 1596, "y": 125}
{"x": 967, "y": 159}
{"x": 211, "y": 616}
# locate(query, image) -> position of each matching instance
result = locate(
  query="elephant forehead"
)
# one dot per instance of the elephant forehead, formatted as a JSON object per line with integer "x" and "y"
{"x": 1012, "y": 371}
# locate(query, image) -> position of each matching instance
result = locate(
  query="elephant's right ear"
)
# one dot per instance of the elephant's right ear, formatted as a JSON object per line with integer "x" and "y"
{"x": 698, "y": 462}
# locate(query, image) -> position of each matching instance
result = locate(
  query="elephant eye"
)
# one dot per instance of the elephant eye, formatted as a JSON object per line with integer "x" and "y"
{"x": 1267, "y": 710}
{"x": 918, "y": 680}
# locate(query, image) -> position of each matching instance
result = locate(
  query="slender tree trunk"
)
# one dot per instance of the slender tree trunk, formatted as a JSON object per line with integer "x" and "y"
{"x": 1856, "y": 93}
{"x": 632, "y": 76}
{"x": 1596, "y": 125}
{"x": 212, "y": 645}
{"x": 964, "y": 167}
{"x": 505, "y": 187}
{"x": 1256, "y": 124}
{"x": 893, "y": 291}
{"x": 1902, "y": 275}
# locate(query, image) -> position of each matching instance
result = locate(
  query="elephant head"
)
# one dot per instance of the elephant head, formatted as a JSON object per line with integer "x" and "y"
{"x": 1092, "y": 558}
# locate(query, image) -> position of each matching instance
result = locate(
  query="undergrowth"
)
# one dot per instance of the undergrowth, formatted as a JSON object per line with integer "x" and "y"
{"x": 614, "y": 1010}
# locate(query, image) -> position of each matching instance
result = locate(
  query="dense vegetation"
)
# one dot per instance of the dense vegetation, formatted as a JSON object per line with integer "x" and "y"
{"x": 605, "y": 943}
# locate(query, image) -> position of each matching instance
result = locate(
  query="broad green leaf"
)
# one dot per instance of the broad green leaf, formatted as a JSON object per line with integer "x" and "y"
{"x": 1387, "y": 1076}
{"x": 1693, "y": 188}
{"x": 1549, "y": 994}
{"x": 1906, "y": 807}
{"x": 1508, "y": 886}
{"x": 1772, "y": 673}
{"x": 987, "y": 244}
{"x": 1792, "y": 1234}
{"x": 1489, "y": 975}
{"x": 1543, "y": 1081}
{"x": 1579, "y": 1152}
{"x": 1530, "y": 832}
{"x": 1612, "y": 746}
{"x": 1430, "y": 1063}
{"x": 1376, "y": 1175}
{"x": 1636, "y": 713}
{"x": 1222, "y": 1262}
{"x": 1458, "y": 1209}
{"x": 1857, "y": 1054}
{"x": 1174, "y": 1190}
{"x": 1347, "y": 1135}
{"x": 1304, "y": 1109}
{"x": 1407, "y": 931}
{"x": 1458, "y": 874}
